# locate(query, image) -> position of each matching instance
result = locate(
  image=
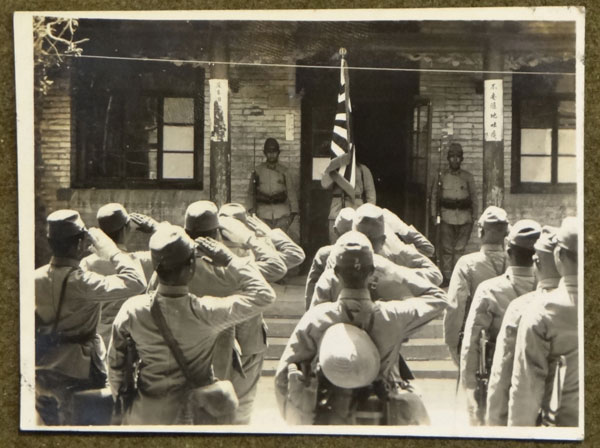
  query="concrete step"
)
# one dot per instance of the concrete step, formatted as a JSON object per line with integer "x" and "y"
{"x": 414, "y": 349}
{"x": 284, "y": 326}
{"x": 421, "y": 369}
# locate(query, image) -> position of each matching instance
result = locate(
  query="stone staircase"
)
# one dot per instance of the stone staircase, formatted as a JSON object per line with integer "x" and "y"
{"x": 426, "y": 353}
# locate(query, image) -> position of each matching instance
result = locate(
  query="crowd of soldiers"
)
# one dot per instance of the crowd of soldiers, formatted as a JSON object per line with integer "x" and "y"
{"x": 175, "y": 334}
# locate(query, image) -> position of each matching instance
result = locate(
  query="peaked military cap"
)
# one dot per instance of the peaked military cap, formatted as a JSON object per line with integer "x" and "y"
{"x": 344, "y": 219}
{"x": 201, "y": 216}
{"x": 112, "y": 217}
{"x": 170, "y": 246}
{"x": 547, "y": 240}
{"x": 493, "y": 215}
{"x": 567, "y": 235}
{"x": 369, "y": 220}
{"x": 63, "y": 224}
{"x": 353, "y": 249}
{"x": 524, "y": 233}
{"x": 348, "y": 357}
{"x": 233, "y": 210}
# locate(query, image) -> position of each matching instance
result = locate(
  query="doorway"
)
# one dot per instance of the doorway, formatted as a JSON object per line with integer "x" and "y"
{"x": 383, "y": 108}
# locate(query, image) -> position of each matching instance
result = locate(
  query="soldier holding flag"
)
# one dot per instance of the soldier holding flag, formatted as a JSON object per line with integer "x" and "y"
{"x": 353, "y": 181}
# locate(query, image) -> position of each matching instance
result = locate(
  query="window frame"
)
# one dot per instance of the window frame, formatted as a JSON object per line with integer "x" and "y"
{"x": 81, "y": 179}
{"x": 552, "y": 187}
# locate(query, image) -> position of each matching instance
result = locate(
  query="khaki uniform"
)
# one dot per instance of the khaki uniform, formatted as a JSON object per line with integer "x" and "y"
{"x": 547, "y": 331}
{"x": 388, "y": 281}
{"x": 276, "y": 195}
{"x": 469, "y": 272}
{"x": 317, "y": 268}
{"x": 364, "y": 191}
{"x": 101, "y": 266}
{"x": 458, "y": 209}
{"x": 502, "y": 365}
{"x": 387, "y": 323}
{"x": 487, "y": 311}
{"x": 195, "y": 323}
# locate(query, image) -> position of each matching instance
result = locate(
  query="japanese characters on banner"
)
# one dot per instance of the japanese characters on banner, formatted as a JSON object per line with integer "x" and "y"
{"x": 218, "y": 111}
{"x": 493, "y": 123}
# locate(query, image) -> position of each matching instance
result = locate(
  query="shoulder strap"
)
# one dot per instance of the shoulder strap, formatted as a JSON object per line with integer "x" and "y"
{"x": 61, "y": 300}
{"x": 166, "y": 333}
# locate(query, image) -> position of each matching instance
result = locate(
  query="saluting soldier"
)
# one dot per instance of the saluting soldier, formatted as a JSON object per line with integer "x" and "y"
{"x": 407, "y": 234}
{"x": 194, "y": 322}
{"x": 470, "y": 271}
{"x": 115, "y": 222}
{"x": 387, "y": 324}
{"x": 343, "y": 224}
{"x": 487, "y": 311}
{"x": 502, "y": 366}
{"x": 70, "y": 355}
{"x": 273, "y": 198}
{"x": 457, "y": 202}
{"x": 546, "y": 365}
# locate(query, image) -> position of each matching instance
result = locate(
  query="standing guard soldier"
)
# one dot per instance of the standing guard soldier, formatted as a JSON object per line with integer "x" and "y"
{"x": 470, "y": 271}
{"x": 70, "y": 355}
{"x": 272, "y": 194}
{"x": 347, "y": 382}
{"x": 195, "y": 322}
{"x": 545, "y": 379}
{"x": 502, "y": 366}
{"x": 454, "y": 200}
{"x": 487, "y": 311}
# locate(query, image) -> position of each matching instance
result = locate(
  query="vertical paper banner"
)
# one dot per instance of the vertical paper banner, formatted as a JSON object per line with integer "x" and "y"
{"x": 289, "y": 127}
{"x": 493, "y": 110}
{"x": 219, "y": 110}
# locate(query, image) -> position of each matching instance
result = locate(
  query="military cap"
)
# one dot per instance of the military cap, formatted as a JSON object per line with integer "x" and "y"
{"x": 524, "y": 233}
{"x": 112, "y": 217}
{"x": 348, "y": 357}
{"x": 493, "y": 215}
{"x": 344, "y": 219}
{"x": 271, "y": 144}
{"x": 455, "y": 148}
{"x": 233, "y": 210}
{"x": 547, "y": 240}
{"x": 369, "y": 220}
{"x": 201, "y": 216}
{"x": 353, "y": 249}
{"x": 566, "y": 236}
{"x": 170, "y": 246}
{"x": 63, "y": 224}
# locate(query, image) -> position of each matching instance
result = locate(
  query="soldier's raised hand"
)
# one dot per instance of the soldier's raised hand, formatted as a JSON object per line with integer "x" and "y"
{"x": 216, "y": 252}
{"x": 258, "y": 225}
{"x": 144, "y": 223}
{"x": 102, "y": 245}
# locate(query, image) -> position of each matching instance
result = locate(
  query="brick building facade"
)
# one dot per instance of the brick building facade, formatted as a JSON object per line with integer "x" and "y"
{"x": 262, "y": 100}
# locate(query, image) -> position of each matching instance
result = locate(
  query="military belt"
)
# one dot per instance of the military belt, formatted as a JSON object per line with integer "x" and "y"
{"x": 456, "y": 204}
{"x": 339, "y": 195}
{"x": 277, "y": 198}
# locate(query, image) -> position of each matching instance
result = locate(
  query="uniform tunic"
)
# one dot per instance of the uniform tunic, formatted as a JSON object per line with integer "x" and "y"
{"x": 502, "y": 366}
{"x": 387, "y": 323}
{"x": 80, "y": 313}
{"x": 271, "y": 182}
{"x": 487, "y": 311}
{"x": 546, "y": 332}
{"x": 388, "y": 281}
{"x": 195, "y": 323}
{"x": 469, "y": 272}
{"x": 317, "y": 268}
{"x": 101, "y": 266}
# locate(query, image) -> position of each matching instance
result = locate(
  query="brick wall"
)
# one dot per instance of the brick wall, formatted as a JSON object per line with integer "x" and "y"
{"x": 456, "y": 103}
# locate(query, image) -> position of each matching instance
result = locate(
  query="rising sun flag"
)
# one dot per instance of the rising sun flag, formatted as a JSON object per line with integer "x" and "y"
{"x": 342, "y": 166}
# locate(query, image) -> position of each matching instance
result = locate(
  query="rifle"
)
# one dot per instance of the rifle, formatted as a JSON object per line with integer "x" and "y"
{"x": 438, "y": 210}
{"x": 254, "y": 177}
{"x": 549, "y": 414}
{"x": 482, "y": 375}
{"x": 128, "y": 388}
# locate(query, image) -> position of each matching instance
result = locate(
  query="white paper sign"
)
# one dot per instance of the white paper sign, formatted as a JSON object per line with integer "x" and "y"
{"x": 493, "y": 109}
{"x": 219, "y": 110}
{"x": 289, "y": 126}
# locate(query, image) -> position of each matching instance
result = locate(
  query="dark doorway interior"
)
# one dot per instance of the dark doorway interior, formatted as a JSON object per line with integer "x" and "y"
{"x": 382, "y": 104}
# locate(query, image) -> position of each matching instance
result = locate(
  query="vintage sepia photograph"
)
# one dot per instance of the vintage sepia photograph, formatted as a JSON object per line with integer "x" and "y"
{"x": 302, "y": 222}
